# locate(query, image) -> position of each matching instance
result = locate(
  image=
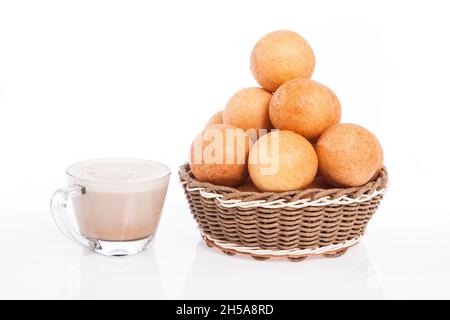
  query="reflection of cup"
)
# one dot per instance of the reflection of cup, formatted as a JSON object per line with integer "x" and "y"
{"x": 117, "y": 204}
{"x": 351, "y": 276}
{"x": 99, "y": 277}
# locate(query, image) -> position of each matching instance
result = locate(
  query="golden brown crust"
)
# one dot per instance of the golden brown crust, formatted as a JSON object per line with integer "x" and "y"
{"x": 349, "y": 155}
{"x": 248, "y": 109}
{"x": 337, "y": 111}
{"x": 222, "y": 173}
{"x": 290, "y": 165}
{"x": 305, "y": 107}
{"x": 279, "y": 57}
{"x": 216, "y": 118}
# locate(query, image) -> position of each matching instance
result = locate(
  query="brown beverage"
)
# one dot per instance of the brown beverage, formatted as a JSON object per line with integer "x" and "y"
{"x": 123, "y": 199}
{"x": 119, "y": 216}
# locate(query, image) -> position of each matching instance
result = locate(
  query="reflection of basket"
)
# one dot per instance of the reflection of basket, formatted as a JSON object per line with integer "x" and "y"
{"x": 293, "y": 224}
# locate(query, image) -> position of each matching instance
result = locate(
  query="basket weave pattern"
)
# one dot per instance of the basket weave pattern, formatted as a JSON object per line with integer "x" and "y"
{"x": 303, "y": 219}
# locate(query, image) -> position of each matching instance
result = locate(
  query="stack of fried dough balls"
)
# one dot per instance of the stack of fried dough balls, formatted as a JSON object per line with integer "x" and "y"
{"x": 286, "y": 134}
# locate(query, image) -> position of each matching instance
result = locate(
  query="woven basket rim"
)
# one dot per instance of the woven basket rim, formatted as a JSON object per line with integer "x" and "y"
{"x": 227, "y": 193}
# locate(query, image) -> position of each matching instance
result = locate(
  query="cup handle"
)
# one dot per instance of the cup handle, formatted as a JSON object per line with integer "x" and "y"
{"x": 58, "y": 208}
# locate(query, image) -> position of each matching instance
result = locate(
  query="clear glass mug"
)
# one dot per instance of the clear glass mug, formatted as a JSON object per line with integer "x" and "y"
{"x": 117, "y": 204}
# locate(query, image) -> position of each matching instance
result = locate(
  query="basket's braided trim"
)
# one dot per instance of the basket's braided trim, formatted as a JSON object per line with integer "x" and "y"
{"x": 281, "y": 203}
{"x": 228, "y": 193}
{"x": 284, "y": 253}
{"x": 302, "y": 219}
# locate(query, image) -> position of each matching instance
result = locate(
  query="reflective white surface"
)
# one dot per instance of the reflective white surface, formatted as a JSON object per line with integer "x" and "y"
{"x": 42, "y": 264}
{"x": 352, "y": 276}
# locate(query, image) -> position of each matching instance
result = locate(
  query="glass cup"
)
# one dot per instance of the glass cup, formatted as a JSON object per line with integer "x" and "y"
{"x": 117, "y": 204}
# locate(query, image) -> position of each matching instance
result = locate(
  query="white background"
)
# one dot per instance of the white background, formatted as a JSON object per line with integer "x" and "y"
{"x": 88, "y": 79}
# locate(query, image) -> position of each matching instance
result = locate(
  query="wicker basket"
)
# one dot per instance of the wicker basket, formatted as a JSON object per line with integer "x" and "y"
{"x": 293, "y": 225}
